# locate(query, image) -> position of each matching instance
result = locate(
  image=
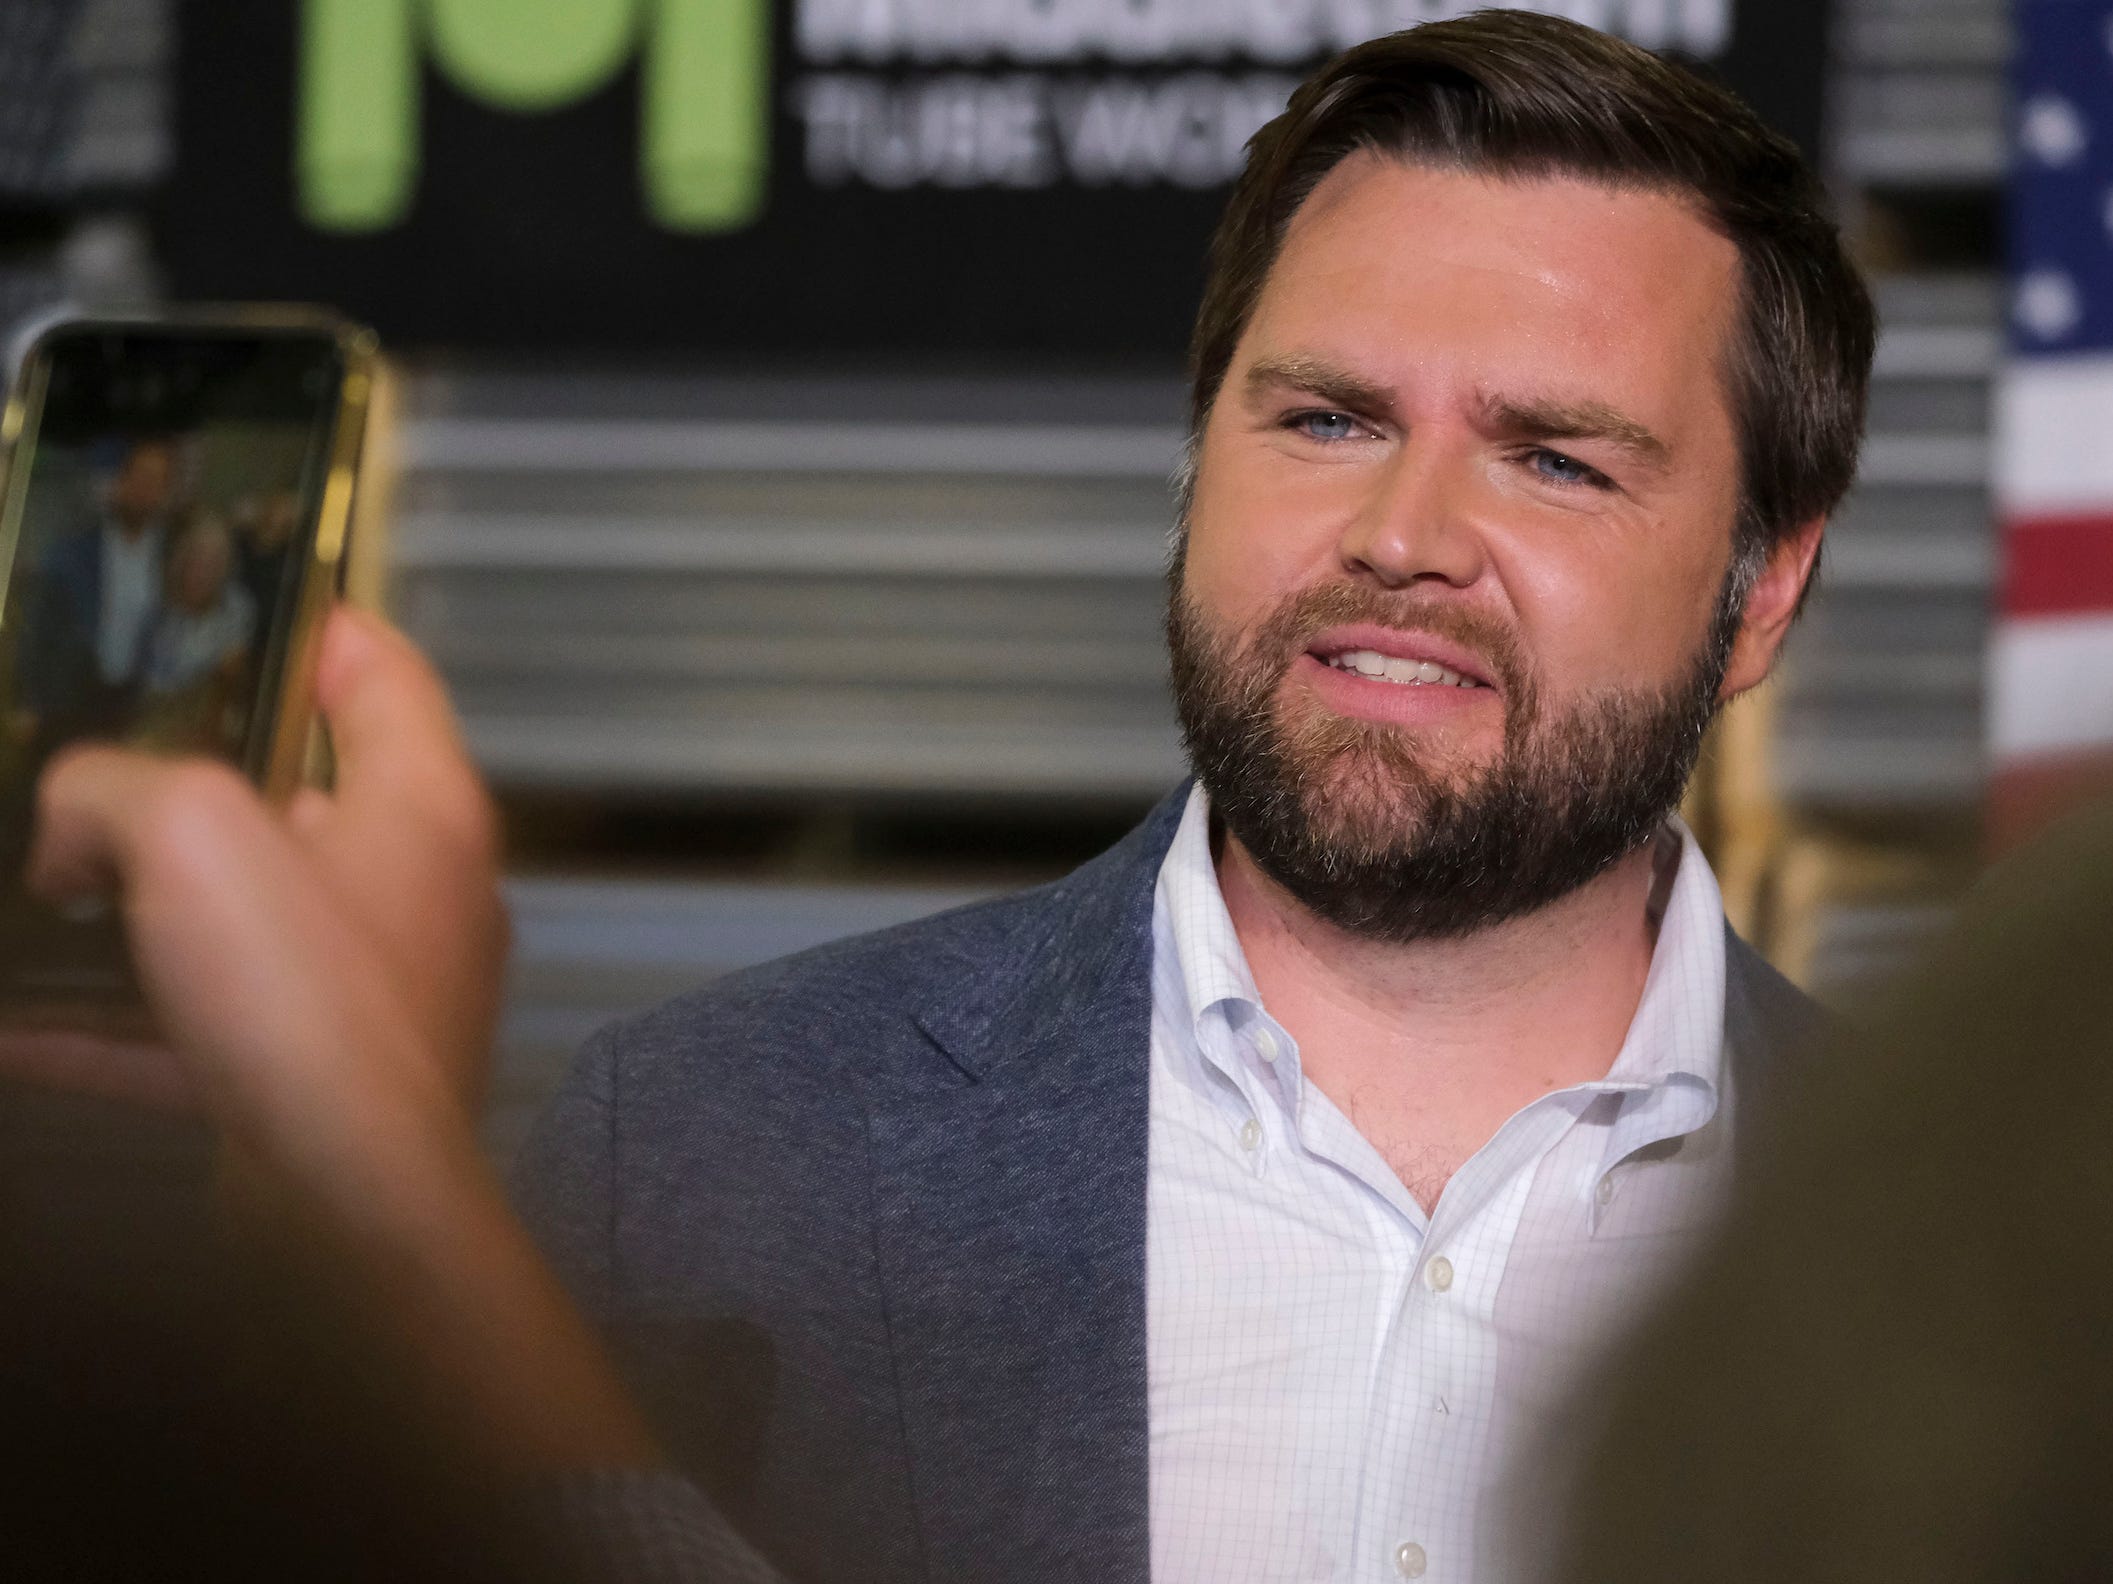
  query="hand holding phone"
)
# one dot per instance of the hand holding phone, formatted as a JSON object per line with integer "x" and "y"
{"x": 172, "y": 527}
{"x": 326, "y": 976}
{"x": 320, "y": 969}
{"x": 292, "y": 957}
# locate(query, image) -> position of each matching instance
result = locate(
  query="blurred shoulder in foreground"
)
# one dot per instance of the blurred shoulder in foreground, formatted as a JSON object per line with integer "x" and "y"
{"x": 1893, "y": 1363}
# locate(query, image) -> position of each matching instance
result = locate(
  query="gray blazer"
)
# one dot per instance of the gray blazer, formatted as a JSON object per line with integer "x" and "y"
{"x": 866, "y": 1227}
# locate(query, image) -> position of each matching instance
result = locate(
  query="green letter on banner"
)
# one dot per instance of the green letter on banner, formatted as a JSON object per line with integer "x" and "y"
{"x": 704, "y": 141}
{"x": 356, "y": 116}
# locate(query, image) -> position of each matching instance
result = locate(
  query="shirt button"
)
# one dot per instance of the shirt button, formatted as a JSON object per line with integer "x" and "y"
{"x": 1250, "y": 1134}
{"x": 1604, "y": 1193}
{"x": 1409, "y": 1559}
{"x": 1266, "y": 1045}
{"x": 1439, "y": 1273}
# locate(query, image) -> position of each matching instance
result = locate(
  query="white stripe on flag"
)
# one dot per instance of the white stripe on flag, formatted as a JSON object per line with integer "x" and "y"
{"x": 2054, "y": 436}
{"x": 2051, "y": 685}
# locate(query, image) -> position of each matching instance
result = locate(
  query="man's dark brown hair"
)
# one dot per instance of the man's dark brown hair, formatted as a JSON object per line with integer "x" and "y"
{"x": 1515, "y": 94}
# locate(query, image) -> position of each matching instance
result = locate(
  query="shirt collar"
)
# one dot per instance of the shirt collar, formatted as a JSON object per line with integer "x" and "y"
{"x": 1201, "y": 977}
{"x": 1679, "y": 1024}
{"x": 1671, "y": 1064}
{"x": 1214, "y": 969}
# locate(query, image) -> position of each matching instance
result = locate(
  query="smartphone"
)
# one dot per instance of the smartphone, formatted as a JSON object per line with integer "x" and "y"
{"x": 174, "y": 507}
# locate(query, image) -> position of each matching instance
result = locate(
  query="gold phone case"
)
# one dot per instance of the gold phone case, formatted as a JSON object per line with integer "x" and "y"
{"x": 287, "y": 754}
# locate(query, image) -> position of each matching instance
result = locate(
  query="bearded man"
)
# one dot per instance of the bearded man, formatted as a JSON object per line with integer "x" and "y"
{"x": 1238, "y": 1207}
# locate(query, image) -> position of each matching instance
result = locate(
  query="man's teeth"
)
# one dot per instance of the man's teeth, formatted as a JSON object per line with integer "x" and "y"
{"x": 1386, "y": 668}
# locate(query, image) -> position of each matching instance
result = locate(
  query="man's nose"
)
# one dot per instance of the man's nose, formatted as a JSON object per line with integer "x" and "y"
{"x": 1418, "y": 523}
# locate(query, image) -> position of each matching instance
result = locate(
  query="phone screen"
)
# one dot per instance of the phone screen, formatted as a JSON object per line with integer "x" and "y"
{"x": 163, "y": 499}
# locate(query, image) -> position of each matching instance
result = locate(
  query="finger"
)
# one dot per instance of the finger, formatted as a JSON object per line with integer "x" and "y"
{"x": 95, "y": 807}
{"x": 409, "y": 843}
{"x": 392, "y": 727}
{"x": 188, "y": 835}
{"x": 114, "y": 820}
{"x": 292, "y": 1027}
{"x": 253, "y": 973}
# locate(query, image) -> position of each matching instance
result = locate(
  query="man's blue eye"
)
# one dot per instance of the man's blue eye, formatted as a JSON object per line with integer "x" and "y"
{"x": 1326, "y": 425}
{"x": 1556, "y": 467}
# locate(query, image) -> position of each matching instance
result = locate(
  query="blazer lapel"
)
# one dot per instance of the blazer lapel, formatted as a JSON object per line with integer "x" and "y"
{"x": 1010, "y": 1220}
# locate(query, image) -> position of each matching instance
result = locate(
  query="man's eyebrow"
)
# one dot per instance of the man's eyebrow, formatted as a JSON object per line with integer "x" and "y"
{"x": 1321, "y": 379}
{"x": 1556, "y": 419}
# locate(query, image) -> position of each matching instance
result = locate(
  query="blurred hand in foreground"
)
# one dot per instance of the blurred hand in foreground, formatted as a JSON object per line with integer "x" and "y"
{"x": 289, "y": 959}
{"x": 325, "y": 983}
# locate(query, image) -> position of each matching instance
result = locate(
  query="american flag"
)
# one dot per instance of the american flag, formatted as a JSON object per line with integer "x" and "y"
{"x": 2051, "y": 676}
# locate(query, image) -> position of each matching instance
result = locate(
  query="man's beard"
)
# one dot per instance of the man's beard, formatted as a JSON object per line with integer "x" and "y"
{"x": 1369, "y": 831}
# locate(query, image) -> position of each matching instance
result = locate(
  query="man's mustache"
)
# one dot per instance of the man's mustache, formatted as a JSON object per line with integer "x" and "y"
{"x": 1302, "y": 616}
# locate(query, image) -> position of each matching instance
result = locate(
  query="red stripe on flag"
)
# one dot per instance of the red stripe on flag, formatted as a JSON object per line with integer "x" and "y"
{"x": 2058, "y": 566}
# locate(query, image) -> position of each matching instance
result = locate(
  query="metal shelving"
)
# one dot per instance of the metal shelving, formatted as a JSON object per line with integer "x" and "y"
{"x": 846, "y": 588}
{"x": 1920, "y": 94}
{"x": 1882, "y": 706}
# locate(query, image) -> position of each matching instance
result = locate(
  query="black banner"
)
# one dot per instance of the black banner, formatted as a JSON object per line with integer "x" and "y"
{"x": 942, "y": 178}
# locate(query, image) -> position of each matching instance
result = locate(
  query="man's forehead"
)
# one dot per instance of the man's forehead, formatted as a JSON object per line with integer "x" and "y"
{"x": 1357, "y": 169}
{"x": 1389, "y": 256}
{"x": 1554, "y": 224}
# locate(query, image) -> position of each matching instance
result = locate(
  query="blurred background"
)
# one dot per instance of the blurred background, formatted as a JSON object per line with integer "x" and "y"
{"x": 784, "y": 396}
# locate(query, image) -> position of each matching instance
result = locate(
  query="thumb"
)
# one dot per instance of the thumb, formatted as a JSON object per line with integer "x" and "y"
{"x": 400, "y": 755}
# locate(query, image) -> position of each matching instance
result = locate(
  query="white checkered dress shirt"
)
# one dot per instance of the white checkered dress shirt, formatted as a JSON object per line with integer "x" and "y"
{"x": 1338, "y": 1382}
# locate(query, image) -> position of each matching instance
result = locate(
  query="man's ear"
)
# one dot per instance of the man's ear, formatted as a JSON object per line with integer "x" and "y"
{"x": 1771, "y": 607}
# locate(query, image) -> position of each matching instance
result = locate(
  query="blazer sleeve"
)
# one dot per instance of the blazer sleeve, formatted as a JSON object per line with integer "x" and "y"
{"x": 564, "y": 1178}
{"x": 611, "y": 1526}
